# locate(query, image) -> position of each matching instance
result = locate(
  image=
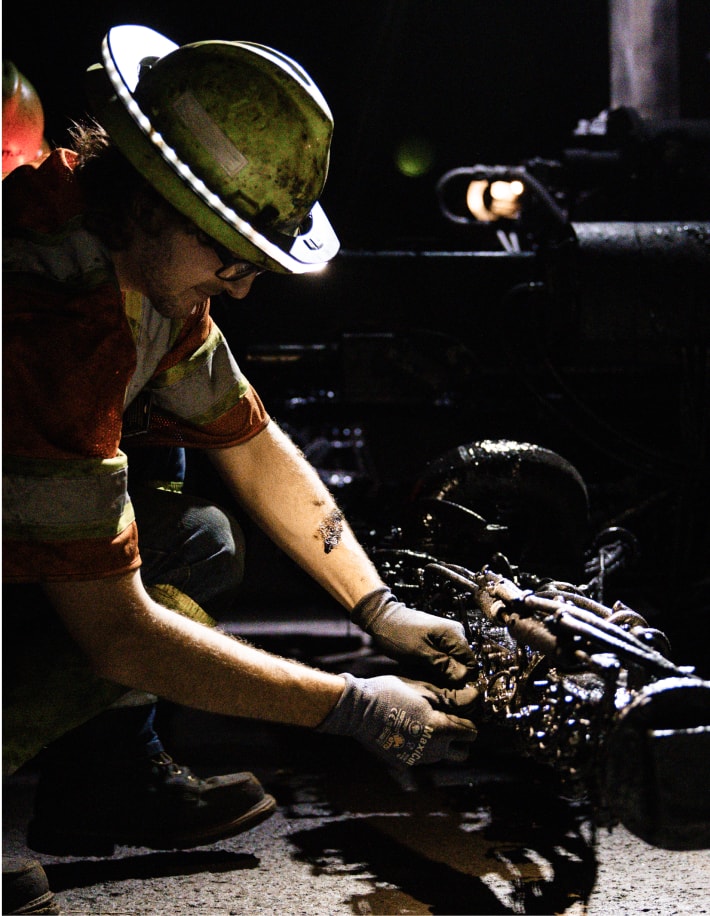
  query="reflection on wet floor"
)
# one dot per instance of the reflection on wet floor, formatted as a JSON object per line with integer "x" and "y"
{"x": 352, "y": 837}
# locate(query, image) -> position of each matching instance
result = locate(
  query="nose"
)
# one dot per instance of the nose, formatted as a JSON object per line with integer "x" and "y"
{"x": 238, "y": 289}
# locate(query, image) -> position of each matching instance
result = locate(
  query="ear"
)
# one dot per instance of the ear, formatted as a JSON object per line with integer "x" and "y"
{"x": 149, "y": 211}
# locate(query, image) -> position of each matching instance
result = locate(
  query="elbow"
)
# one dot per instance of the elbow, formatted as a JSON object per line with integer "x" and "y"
{"x": 112, "y": 665}
{"x": 114, "y": 624}
{"x": 119, "y": 658}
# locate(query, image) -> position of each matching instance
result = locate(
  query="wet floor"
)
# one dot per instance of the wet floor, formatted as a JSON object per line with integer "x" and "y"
{"x": 352, "y": 837}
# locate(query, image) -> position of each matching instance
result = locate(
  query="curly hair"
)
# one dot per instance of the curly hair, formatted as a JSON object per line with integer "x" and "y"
{"x": 112, "y": 187}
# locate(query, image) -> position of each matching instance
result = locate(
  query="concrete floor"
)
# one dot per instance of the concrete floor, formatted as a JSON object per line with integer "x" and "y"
{"x": 352, "y": 837}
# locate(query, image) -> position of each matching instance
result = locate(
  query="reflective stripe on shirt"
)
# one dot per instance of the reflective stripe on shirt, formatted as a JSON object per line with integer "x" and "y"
{"x": 65, "y": 500}
{"x": 203, "y": 387}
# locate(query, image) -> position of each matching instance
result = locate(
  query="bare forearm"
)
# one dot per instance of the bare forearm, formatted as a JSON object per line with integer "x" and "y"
{"x": 284, "y": 494}
{"x": 145, "y": 646}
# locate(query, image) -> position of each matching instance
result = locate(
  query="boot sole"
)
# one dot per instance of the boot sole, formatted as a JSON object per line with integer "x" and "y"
{"x": 66, "y": 842}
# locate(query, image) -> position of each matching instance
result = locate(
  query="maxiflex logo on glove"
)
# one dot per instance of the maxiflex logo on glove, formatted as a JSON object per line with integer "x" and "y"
{"x": 404, "y": 722}
{"x": 405, "y": 736}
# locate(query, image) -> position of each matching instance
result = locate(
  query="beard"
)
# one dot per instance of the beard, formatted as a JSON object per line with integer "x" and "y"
{"x": 176, "y": 306}
{"x": 164, "y": 272}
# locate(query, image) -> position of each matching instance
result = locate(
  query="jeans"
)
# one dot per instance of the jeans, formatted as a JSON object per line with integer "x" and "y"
{"x": 184, "y": 541}
{"x": 190, "y": 543}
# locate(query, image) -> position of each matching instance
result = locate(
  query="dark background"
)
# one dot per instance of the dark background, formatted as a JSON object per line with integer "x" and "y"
{"x": 478, "y": 80}
{"x": 390, "y": 358}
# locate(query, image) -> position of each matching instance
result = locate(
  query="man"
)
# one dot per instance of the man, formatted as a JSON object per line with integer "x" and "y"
{"x": 203, "y": 170}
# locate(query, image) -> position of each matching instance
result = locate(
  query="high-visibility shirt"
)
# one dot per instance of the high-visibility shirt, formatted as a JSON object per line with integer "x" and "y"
{"x": 77, "y": 353}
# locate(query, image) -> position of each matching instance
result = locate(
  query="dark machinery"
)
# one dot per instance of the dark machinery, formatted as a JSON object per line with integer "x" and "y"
{"x": 586, "y": 687}
{"x": 575, "y": 313}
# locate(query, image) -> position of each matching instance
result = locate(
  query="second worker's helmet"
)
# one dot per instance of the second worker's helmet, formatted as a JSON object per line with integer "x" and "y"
{"x": 22, "y": 120}
{"x": 235, "y": 135}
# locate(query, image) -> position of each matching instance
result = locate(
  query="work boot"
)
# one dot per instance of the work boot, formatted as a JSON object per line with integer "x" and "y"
{"x": 25, "y": 888}
{"x": 154, "y": 803}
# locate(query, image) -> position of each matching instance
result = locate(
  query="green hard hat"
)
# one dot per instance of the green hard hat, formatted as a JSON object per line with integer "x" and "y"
{"x": 235, "y": 135}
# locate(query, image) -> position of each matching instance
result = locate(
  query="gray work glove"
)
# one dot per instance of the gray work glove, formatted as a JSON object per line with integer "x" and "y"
{"x": 408, "y": 635}
{"x": 403, "y": 722}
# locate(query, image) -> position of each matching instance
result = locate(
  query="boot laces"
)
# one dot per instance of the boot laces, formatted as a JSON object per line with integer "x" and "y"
{"x": 165, "y": 762}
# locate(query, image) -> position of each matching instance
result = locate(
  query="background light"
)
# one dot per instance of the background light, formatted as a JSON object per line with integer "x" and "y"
{"x": 492, "y": 200}
{"x": 414, "y": 156}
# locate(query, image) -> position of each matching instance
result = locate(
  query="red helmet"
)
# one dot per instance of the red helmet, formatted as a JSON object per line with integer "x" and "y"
{"x": 22, "y": 120}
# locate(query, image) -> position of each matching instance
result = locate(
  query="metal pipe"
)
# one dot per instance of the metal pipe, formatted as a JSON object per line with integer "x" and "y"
{"x": 643, "y": 49}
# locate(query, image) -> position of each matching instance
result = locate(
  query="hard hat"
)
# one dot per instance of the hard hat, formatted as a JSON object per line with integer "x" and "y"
{"x": 235, "y": 135}
{"x": 22, "y": 120}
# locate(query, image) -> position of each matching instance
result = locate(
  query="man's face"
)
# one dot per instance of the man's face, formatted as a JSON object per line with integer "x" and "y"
{"x": 177, "y": 270}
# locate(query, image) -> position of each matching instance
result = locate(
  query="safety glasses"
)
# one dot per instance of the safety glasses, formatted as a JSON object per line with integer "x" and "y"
{"x": 233, "y": 267}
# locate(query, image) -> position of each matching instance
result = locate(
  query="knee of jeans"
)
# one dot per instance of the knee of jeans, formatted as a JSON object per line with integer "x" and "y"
{"x": 227, "y": 557}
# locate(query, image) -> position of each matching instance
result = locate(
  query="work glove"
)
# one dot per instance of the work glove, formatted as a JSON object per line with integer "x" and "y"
{"x": 408, "y": 635}
{"x": 404, "y": 722}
